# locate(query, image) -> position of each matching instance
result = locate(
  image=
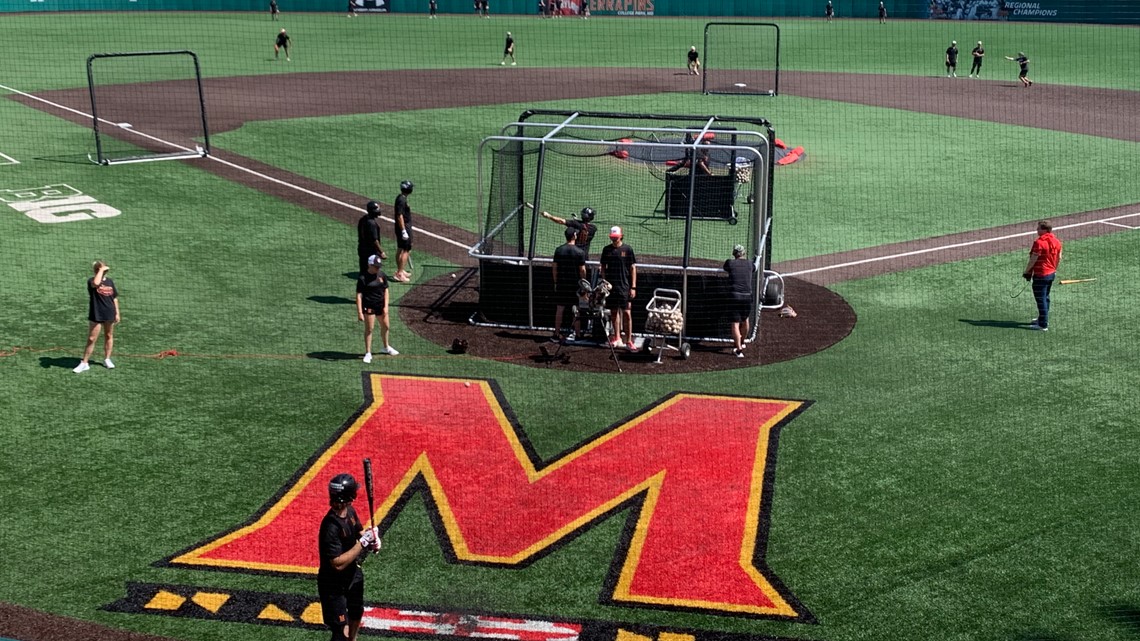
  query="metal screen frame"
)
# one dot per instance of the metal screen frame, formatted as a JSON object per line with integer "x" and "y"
{"x": 774, "y": 91}
{"x": 760, "y": 226}
{"x": 200, "y": 151}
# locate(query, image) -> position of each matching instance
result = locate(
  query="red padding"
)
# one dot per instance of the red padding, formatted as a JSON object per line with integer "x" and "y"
{"x": 780, "y": 144}
{"x": 791, "y": 156}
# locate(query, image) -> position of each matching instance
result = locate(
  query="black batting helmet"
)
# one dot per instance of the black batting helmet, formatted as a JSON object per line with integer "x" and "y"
{"x": 459, "y": 346}
{"x": 373, "y": 207}
{"x": 342, "y": 489}
{"x": 588, "y": 214}
{"x": 406, "y": 187}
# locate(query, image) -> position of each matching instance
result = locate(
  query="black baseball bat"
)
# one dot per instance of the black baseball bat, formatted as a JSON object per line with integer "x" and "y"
{"x": 368, "y": 490}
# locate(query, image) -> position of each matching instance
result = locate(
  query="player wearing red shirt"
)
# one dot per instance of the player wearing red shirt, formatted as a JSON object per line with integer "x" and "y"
{"x": 1044, "y": 256}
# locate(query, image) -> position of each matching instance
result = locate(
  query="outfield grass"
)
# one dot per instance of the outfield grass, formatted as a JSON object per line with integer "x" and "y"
{"x": 954, "y": 479}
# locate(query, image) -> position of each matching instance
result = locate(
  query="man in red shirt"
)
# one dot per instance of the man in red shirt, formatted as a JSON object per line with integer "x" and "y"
{"x": 1044, "y": 257}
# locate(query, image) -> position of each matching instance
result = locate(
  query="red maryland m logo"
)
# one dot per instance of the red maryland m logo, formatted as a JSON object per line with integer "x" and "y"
{"x": 697, "y": 471}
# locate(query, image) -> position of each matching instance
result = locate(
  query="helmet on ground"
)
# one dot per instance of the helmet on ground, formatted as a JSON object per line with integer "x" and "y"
{"x": 459, "y": 346}
{"x": 406, "y": 187}
{"x": 342, "y": 489}
{"x": 588, "y": 214}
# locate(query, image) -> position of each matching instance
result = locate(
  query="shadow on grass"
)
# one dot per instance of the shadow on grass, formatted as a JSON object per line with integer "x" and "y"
{"x": 1002, "y": 324}
{"x": 1124, "y": 615}
{"x": 332, "y": 300}
{"x": 352, "y": 275}
{"x": 333, "y": 356}
{"x": 66, "y": 362}
{"x": 73, "y": 159}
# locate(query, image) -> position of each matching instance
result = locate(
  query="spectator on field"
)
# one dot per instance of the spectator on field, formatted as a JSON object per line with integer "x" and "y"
{"x": 102, "y": 314}
{"x": 1044, "y": 257}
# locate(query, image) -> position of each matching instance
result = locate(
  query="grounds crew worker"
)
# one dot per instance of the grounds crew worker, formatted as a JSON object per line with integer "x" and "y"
{"x": 343, "y": 545}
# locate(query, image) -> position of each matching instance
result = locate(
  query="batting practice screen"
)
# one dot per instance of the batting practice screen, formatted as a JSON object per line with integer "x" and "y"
{"x": 683, "y": 189}
{"x": 741, "y": 58}
{"x": 123, "y": 85}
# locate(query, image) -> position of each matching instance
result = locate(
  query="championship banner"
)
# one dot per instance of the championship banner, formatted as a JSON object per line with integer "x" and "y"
{"x": 621, "y": 7}
{"x": 1038, "y": 11}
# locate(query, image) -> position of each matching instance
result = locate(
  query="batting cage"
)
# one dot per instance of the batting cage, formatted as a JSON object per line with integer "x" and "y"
{"x": 122, "y": 86}
{"x": 741, "y": 58}
{"x": 685, "y": 190}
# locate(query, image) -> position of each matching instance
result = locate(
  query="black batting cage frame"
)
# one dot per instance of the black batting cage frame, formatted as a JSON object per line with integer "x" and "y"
{"x": 148, "y": 143}
{"x": 711, "y": 62}
{"x": 515, "y": 278}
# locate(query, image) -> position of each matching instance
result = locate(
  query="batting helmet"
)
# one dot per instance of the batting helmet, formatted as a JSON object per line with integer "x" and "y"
{"x": 406, "y": 187}
{"x": 459, "y": 346}
{"x": 588, "y": 214}
{"x": 342, "y": 489}
{"x": 373, "y": 208}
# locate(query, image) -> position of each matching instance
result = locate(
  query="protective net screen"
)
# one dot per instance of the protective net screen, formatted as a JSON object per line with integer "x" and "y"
{"x": 741, "y": 58}
{"x": 124, "y": 88}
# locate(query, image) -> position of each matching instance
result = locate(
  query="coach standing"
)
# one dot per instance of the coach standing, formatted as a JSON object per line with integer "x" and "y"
{"x": 976, "y": 67}
{"x": 568, "y": 270}
{"x": 403, "y": 232}
{"x": 343, "y": 542}
{"x": 1044, "y": 256}
{"x": 102, "y": 313}
{"x": 619, "y": 267}
{"x": 952, "y": 59}
{"x": 739, "y": 297}
{"x": 368, "y": 236}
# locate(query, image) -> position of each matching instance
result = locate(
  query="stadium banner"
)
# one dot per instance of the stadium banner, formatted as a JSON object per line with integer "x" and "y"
{"x": 1078, "y": 11}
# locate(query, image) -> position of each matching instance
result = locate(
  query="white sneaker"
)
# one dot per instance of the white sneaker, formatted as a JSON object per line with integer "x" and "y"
{"x": 368, "y": 357}
{"x": 503, "y": 64}
{"x": 513, "y": 64}
{"x": 80, "y": 368}
{"x": 390, "y": 351}
{"x": 108, "y": 364}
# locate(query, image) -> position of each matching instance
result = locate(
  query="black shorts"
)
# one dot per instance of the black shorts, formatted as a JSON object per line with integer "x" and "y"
{"x": 508, "y": 51}
{"x": 617, "y": 300}
{"x": 952, "y": 63}
{"x": 375, "y": 311}
{"x": 405, "y": 245}
{"x": 739, "y": 310}
{"x": 1024, "y": 73}
{"x": 338, "y": 608}
{"x": 565, "y": 296}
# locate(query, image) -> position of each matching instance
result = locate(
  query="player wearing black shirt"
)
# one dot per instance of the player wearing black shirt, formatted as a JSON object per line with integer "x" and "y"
{"x": 976, "y": 67}
{"x": 584, "y": 9}
{"x": 569, "y": 268}
{"x": 584, "y": 228}
{"x": 882, "y": 14}
{"x": 509, "y": 50}
{"x": 952, "y": 60}
{"x": 403, "y": 226}
{"x": 433, "y": 5}
{"x": 351, "y": 8}
{"x": 619, "y": 267}
{"x": 282, "y": 42}
{"x": 343, "y": 542}
{"x": 739, "y": 297}
{"x": 828, "y": 11}
{"x": 273, "y": 9}
{"x": 1024, "y": 63}
{"x": 102, "y": 313}
{"x": 368, "y": 236}
{"x": 372, "y": 303}
{"x": 694, "y": 62}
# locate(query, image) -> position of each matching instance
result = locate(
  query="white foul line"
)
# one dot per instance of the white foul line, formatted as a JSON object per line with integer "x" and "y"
{"x": 235, "y": 166}
{"x": 1106, "y": 221}
{"x": 11, "y": 160}
{"x": 1119, "y": 225}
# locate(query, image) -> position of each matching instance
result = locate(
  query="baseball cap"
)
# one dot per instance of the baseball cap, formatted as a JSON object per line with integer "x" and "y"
{"x": 374, "y": 261}
{"x": 615, "y": 232}
{"x": 738, "y": 249}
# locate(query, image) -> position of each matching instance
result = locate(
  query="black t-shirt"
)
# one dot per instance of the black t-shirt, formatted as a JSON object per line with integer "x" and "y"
{"x": 273, "y": 5}
{"x": 1024, "y": 62}
{"x": 510, "y": 43}
{"x": 739, "y": 278}
{"x": 617, "y": 265}
{"x": 402, "y": 210}
{"x": 101, "y": 300}
{"x": 828, "y": 9}
{"x": 367, "y": 235}
{"x": 693, "y": 55}
{"x": 882, "y": 11}
{"x": 337, "y": 536}
{"x": 372, "y": 288}
{"x": 578, "y": 226}
{"x": 952, "y": 54}
{"x": 282, "y": 39}
{"x": 978, "y": 53}
{"x": 568, "y": 258}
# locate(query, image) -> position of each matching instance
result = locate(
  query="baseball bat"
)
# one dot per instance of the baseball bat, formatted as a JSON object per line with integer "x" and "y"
{"x": 368, "y": 490}
{"x": 1077, "y": 280}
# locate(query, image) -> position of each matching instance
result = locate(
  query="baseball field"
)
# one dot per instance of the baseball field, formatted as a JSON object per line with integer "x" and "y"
{"x": 904, "y": 459}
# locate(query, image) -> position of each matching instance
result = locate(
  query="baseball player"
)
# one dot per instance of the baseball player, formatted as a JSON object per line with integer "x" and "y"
{"x": 976, "y": 66}
{"x": 619, "y": 267}
{"x": 1023, "y": 76}
{"x": 283, "y": 41}
{"x": 952, "y": 59}
{"x": 508, "y": 50}
{"x": 368, "y": 236}
{"x": 403, "y": 232}
{"x": 343, "y": 543}
{"x": 372, "y": 303}
{"x": 694, "y": 61}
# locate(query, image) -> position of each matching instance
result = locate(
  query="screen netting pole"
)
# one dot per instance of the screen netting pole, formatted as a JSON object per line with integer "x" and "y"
{"x": 741, "y": 58}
